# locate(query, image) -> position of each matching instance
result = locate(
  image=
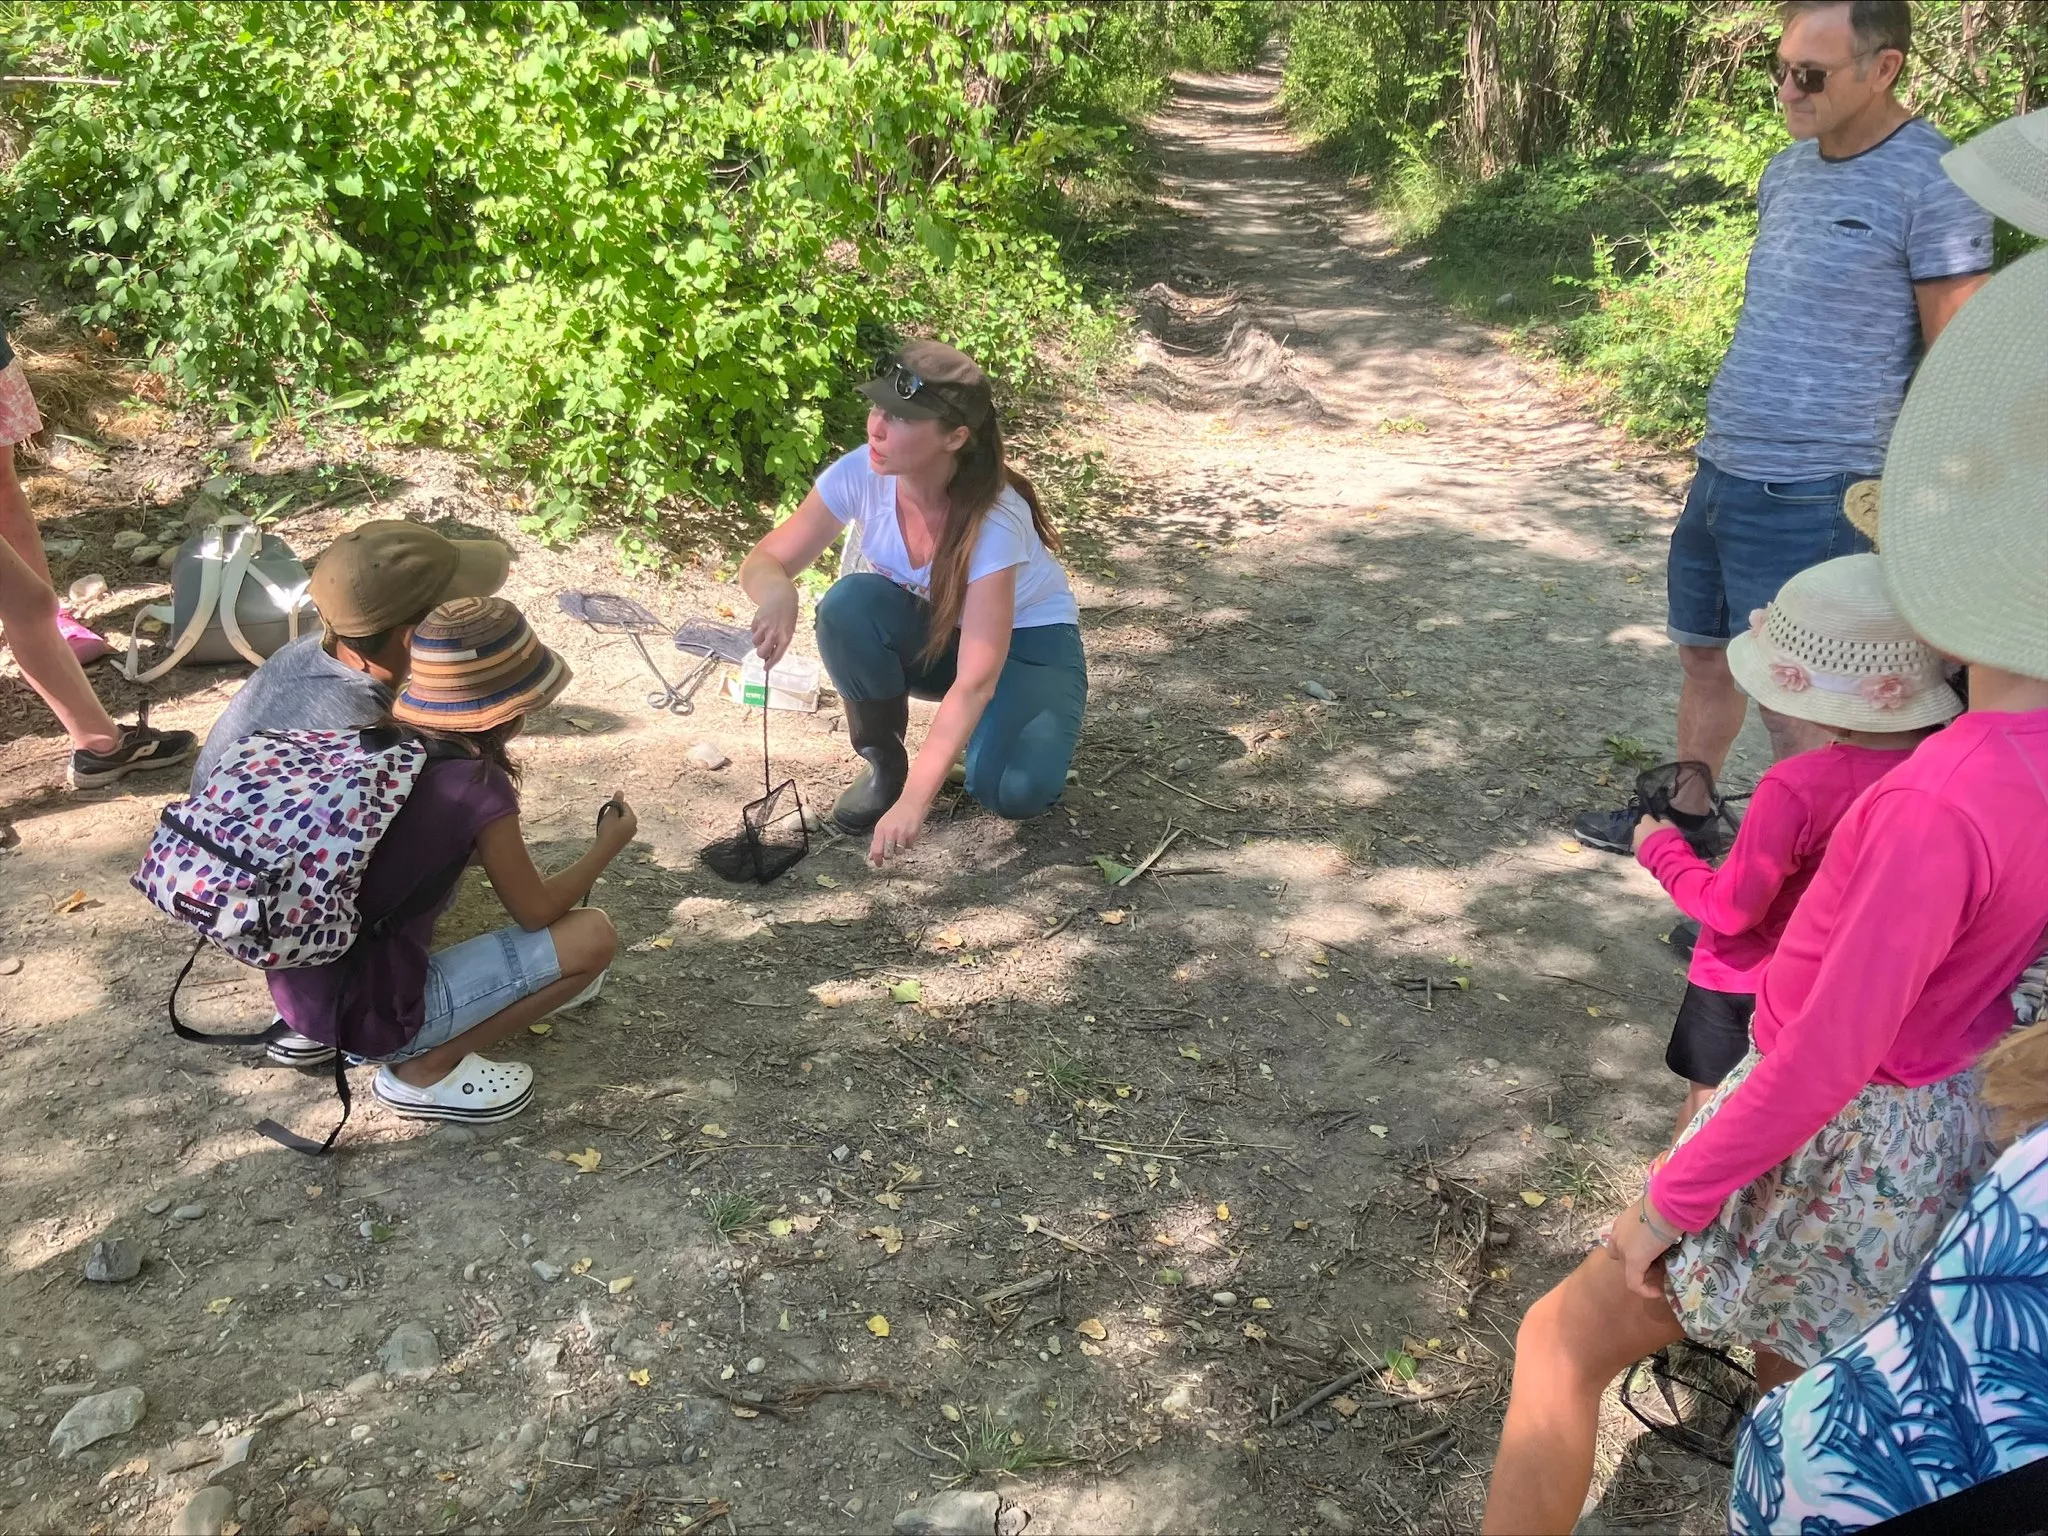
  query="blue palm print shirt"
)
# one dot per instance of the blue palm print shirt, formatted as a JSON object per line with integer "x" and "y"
{"x": 1948, "y": 1389}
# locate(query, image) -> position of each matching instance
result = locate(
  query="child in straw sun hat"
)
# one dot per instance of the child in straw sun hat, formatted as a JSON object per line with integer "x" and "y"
{"x": 1832, "y": 650}
{"x": 1801, "y": 1198}
{"x": 478, "y": 671}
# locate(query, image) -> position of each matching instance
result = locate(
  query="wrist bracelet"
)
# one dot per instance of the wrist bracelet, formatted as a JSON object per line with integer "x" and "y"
{"x": 1656, "y": 1228}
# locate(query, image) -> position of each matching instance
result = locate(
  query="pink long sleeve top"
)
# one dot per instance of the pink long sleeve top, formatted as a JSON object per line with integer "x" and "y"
{"x": 1896, "y": 967}
{"x": 1743, "y": 906}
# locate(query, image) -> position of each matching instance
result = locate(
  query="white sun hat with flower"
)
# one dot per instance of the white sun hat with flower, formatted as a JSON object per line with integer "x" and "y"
{"x": 1832, "y": 649}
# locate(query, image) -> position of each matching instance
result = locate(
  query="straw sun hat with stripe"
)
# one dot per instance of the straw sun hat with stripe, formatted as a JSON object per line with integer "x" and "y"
{"x": 477, "y": 664}
{"x": 1832, "y": 649}
{"x": 1965, "y": 521}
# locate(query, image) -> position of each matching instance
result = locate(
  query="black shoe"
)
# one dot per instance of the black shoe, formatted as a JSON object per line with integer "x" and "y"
{"x": 1685, "y": 933}
{"x": 1615, "y": 831}
{"x": 875, "y": 727}
{"x": 141, "y": 747}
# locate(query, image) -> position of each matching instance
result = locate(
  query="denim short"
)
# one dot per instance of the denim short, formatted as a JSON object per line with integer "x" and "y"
{"x": 470, "y": 981}
{"x": 1738, "y": 541}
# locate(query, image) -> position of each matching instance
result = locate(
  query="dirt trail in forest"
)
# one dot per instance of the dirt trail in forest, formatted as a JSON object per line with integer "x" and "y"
{"x": 1345, "y": 1081}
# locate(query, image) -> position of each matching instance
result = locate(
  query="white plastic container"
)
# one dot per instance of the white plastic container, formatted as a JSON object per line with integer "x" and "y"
{"x": 794, "y": 684}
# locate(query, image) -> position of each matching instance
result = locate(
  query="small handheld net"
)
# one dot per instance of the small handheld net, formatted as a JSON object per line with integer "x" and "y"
{"x": 1657, "y": 787}
{"x": 703, "y": 637}
{"x": 609, "y": 614}
{"x": 772, "y": 837}
{"x": 1695, "y": 1399}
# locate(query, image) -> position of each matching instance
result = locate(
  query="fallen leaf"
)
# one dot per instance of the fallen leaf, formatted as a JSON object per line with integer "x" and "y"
{"x": 1571, "y": 845}
{"x": 1592, "y": 1013}
{"x": 878, "y": 1325}
{"x": 620, "y": 1286}
{"x": 911, "y": 991}
{"x": 1222, "y": 1211}
{"x": 948, "y": 939}
{"x": 1345, "y": 1406}
{"x": 72, "y": 902}
{"x": 1020, "y": 1096}
{"x": 544, "y": 1027}
{"x": 891, "y": 1238}
{"x": 580, "y": 1267}
{"x": 891, "y": 1199}
{"x": 714, "y": 1130}
{"x": 827, "y": 883}
{"x": 1091, "y": 1328}
{"x": 1192, "y": 1052}
{"x": 1533, "y": 1197}
{"x": 1112, "y": 872}
{"x": 949, "y": 1413}
{"x": 1030, "y": 1223}
{"x": 1254, "y": 1331}
{"x": 745, "y": 1413}
{"x": 781, "y": 1226}
{"x": 805, "y": 1223}
{"x": 133, "y": 1468}
{"x": 314, "y": 1191}
{"x": 1168, "y": 1276}
{"x": 1344, "y": 1020}
{"x": 1113, "y": 918}
{"x": 587, "y": 1159}
{"x": 641, "y": 1377}
{"x": 1401, "y": 1363}
{"x": 1558, "y": 1132}
{"x": 1378, "y": 1130}
{"x": 1303, "y": 1226}
{"x": 664, "y": 942}
{"x": 220, "y": 1304}
{"x": 1090, "y": 1349}
{"x": 1262, "y": 1304}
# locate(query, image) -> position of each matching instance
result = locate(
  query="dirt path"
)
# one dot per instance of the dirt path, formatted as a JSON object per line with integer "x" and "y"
{"x": 1129, "y": 1171}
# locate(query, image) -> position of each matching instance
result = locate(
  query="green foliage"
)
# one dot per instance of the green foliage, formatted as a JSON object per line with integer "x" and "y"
{"x": 1611, "y": 216}
{"x": 632, "y": 251}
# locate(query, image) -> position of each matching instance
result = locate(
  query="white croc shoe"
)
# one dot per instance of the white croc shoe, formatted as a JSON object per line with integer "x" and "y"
{"x": 476, "y": 1093}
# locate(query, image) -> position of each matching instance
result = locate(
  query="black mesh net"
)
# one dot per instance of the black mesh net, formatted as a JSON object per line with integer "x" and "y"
{"x": 772, "y": 838}
{"x": 1656, "y": 787}
{"x": 1691, "y": 1396}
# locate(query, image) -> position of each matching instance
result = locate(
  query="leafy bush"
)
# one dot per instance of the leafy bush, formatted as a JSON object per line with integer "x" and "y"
{"x": 633, "y": 250}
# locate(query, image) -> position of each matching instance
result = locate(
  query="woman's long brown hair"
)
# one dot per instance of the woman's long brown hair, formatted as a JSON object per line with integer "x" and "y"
{"x": 979, "y": 479}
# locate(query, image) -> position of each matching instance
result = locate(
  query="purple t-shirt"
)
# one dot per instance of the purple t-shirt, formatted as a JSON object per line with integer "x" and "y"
{"x": 386, "y": 998}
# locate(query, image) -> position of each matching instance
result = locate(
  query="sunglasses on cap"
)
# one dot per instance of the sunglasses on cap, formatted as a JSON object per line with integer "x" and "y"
{"x": 1812, "y": 79}
{"x": 906, "y": 383}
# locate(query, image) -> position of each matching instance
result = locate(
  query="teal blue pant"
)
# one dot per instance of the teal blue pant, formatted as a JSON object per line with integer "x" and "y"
{"x": 872, "y": 633}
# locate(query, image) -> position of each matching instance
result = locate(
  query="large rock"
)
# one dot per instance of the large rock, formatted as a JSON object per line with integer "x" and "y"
{"x": 96, "y": 1418}
{"x": 954, "y": 1513}
{"x": 206, "y": 1513}
{"x": 113, "y": 1260}
{"x": 411, "y": 1352}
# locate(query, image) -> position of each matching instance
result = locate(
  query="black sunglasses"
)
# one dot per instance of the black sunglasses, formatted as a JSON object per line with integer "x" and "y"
{"x": 1811, "y": 79}
{"x": 907, "y": 383}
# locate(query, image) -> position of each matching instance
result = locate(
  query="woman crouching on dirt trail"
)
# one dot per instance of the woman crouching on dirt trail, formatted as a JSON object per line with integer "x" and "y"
{"x": 477, "y": 672}
{"x": 961, "y": 600}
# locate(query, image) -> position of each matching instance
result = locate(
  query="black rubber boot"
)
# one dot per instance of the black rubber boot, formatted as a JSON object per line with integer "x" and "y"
{"x": 875, "y": 727}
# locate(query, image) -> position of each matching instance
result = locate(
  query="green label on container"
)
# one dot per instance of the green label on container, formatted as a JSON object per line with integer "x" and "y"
{"x": 754, "y": 694}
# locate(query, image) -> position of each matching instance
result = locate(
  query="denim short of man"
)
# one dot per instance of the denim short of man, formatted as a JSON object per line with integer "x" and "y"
{"x": 470, "y": 981}
{"x": 1738, "y": 541}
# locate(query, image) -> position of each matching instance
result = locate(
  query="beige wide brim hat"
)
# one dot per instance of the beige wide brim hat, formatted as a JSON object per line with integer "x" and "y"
{"x": 1965, "y": 552}
{"x": 2005, "y": 170}
{"x": 1832, "y": 649}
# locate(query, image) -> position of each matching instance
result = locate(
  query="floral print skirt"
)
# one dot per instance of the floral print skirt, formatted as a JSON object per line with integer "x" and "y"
{"x": 1803, "y": 1259}
{"x": 19, "y": 419}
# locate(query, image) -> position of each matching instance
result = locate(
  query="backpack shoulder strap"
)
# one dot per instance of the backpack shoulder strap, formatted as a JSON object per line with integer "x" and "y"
{"x": 247, "y": 540}
{"x": 210, "y": 557}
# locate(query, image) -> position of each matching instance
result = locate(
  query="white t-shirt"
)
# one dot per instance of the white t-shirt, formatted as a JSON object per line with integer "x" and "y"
{"x": 854, "y": 493}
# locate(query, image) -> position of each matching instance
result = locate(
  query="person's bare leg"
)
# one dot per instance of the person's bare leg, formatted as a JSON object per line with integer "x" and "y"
{"x": 1575, "y": 1340}
{"x": 1775, "y": 1370}
{"x": 585, "y": 942}
{"x": 1710, "y": 714}
{"x": 28, "y": 613}
{"x": 1696, "y": 1096}
{"x": 1790, "y": 737}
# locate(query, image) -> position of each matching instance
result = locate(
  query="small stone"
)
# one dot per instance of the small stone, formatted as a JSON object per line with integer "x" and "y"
{"x": 93, "y": 1419}
{"x": 412, "y": 1351}
{"x": 706, "y": 756}
{"x": 549, "y": 1273}
{"x": 338, "y": 1281}
{"x": 1316, "y": 690}
{"x": 206, "y": 1513}
{"x": 167, "y": 557}
{"x": 235, "y": 1453}
{"x": 469, "y": 1270}
{"x": 756, "y": 1366}
{"x": 1180, "y": 765}
{"x": 1011, "y": 1521}
{"x": 10, "y": 966}
{"x": 823, "y": 1195}
{"x": 1224, "y": 1298}
{"x": 119, "y": 1357}
{"x": 1336, "y": 1516}
{"x": 113, "y": 1260}
{"x": 129, "y": 538}
{"x": 1495, "y": 1238}
{"x": 359, "y": 1433}
{"x": 62, "y": 549}
{"x": 145, "y": 554}
{"x": 159, "y": 1205}
{"x": 366, "y": 1384}
{"x": 8, "y": 1419}
{"x": 193, "y": 1212}
{"x": 841, "y": 1153}
{"x": 956, "y": 1512}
